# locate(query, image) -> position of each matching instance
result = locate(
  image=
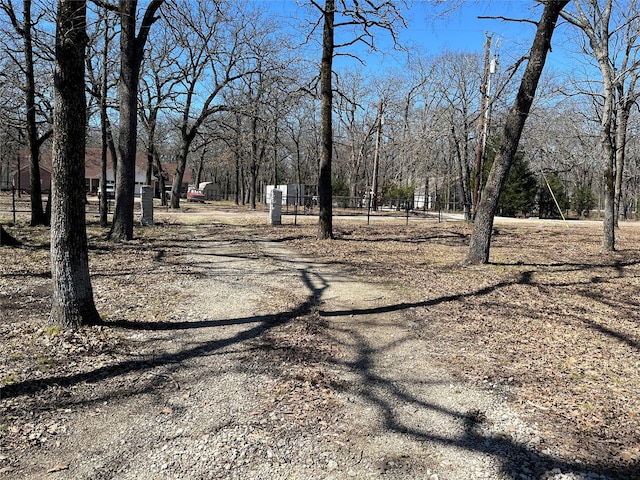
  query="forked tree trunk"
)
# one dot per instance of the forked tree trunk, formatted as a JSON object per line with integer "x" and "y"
{"x": 72, "y": 303}
{"x": 510, "y": 138}
{"x": 325, "y": 201}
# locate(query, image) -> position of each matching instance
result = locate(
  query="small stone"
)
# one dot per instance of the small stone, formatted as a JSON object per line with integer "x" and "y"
{"x": 332, "y": 465}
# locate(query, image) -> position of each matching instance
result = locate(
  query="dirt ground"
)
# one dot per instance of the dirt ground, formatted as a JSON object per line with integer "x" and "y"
{"x": 321, "y": 351}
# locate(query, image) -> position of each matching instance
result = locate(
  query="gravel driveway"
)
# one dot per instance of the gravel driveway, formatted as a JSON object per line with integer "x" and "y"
{"x": 283, "y": 368}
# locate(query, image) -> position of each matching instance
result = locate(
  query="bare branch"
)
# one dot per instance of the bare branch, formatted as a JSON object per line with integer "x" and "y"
{"x": 507, "y": 19}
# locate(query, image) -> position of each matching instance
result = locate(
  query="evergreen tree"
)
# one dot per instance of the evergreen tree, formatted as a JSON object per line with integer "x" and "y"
{"x": 583, "y": 200}
{"x": 546, "y": 204}
{"x": 519, "y": 193}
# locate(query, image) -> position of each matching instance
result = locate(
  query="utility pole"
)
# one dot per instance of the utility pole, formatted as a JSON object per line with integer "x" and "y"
{"x": 376, "y": 157}
{"x": 482, "y": 122}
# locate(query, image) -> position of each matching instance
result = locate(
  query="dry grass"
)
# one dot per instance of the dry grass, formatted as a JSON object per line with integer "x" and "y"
{"x": 551, "y": 320}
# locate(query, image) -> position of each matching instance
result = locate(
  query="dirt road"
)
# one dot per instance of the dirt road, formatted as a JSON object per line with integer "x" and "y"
{"x": 278, "y": 367}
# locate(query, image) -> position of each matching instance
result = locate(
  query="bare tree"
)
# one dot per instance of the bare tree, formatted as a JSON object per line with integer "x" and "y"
{"x": 301, "y": 130}
{"x": 132, "y": 44}
{"x": 221, "y": 43}
{"x": 24, "y": 28}
{"x": 357, "y": 122}
{"x": 607, "y": 26}
{"x": 99, "y": 84}
{"x": 156, "y": 94}
{"x": 368, "y": 17}
{"x": 72, "y": 302}
{"x": 510, "y": 138}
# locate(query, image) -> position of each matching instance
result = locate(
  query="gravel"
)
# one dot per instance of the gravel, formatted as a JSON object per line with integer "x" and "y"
{"x": 294, "y": 371}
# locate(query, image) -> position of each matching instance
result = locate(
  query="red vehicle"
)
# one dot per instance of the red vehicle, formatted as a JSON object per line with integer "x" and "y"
{"x": 195, "y": 195}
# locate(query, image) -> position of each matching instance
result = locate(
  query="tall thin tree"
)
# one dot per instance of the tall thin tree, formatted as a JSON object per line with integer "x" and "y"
{"x": 510, "y": 138}
{"x": 132, "y": 44}
{"x": 24, "y": 28}
{"x": 369, "y": 17}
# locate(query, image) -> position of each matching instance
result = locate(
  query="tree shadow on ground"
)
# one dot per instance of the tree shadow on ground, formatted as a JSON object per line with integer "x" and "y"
{"x": 379, "y": 392}
{"x": 261, "y": 324}
{"x": 385, "y": 394}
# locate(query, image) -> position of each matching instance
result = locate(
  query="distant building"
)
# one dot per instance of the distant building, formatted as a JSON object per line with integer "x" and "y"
{"x": 20, "y": 175}
{"x": 291, "y": 193}
{"x": 211, "y": 190}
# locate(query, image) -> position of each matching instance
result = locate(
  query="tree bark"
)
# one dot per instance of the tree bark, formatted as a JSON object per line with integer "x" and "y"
{"x": 609, "y": 157}
{"x": 325, "y": 201}
{"x": 72, "y": 302}
{"x": 38, "y": 216}
{"x": 131, "y": 54}
{"x": 481, "y": 128}
{"x": 481, "y": 237}
{"x": 465, "y": 176}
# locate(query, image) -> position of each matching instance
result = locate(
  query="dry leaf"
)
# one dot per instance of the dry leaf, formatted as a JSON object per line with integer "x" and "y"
{"x": 58, "y": 468}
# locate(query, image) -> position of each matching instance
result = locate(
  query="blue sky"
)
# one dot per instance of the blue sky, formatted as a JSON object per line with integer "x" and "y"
{"x": 462, "y": 30}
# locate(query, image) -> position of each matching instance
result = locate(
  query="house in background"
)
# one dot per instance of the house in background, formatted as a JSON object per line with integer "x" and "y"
{"x": 20, "y": 176}
{"x": 92, "y": 171}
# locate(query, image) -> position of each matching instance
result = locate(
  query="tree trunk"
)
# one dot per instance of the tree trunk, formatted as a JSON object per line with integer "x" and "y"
{"x": 481, "y": 128}
{"x": 624, "y": 112}
{"x": 162, "y": 179}
{"x": 325, "y": 201}
{"x": 38, "y": 216}
{"x": 481, "y": 237}
{"x": 609, "y": 221}
{"x": 7, "y": 239}
{"x": 122, "y": 226}
{"x": 104, "y": 129}
{"x": 72, "y": 302}
{"x": 257, "y": 158}
{"x": 187, "y": 140}
{"x": 609, "y": 157}
{"x": 237, "y": 156}
{"x": 131, "y": 54}
{"x": 465, "y": 177}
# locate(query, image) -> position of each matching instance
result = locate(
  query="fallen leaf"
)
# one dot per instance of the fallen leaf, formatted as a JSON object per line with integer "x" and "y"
{"x": 58, "y": 468}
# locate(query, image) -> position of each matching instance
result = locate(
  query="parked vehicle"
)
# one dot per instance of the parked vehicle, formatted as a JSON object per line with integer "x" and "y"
{"x": 111, "y": 191}
{"x": 195, "y": 195}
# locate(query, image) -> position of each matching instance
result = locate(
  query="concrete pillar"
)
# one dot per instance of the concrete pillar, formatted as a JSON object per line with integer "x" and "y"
{"x": 146, "y": 205}
{"x": 275, "y": 208}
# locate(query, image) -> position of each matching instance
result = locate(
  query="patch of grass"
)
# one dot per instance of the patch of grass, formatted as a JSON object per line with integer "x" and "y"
{"x": 44, "y": 362}
{"x": 9, "y": 378}
{"x": 52, "y": 330}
